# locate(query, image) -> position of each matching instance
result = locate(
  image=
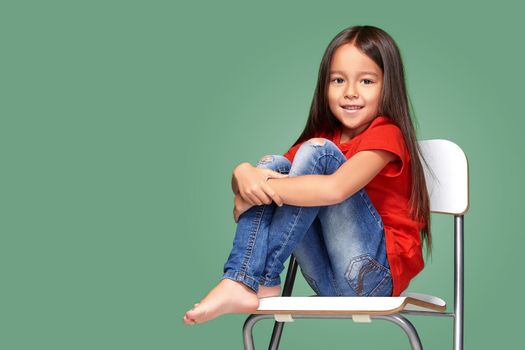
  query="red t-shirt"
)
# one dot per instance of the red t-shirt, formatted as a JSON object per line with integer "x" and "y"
{"x": 389, "y": 191}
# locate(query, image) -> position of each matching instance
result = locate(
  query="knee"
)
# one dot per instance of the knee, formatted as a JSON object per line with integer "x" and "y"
{"x": 317, "y": 141}
{"x": 271, "y": 159}
{"x": 265, "y": 159}
{"x": 308, "y": 156}
{"x": 316, "y": 144}
{"x": 275, "y": 162}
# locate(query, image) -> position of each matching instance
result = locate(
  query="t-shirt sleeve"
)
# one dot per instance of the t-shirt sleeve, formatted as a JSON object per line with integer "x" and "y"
{"x": 389, "y": 138}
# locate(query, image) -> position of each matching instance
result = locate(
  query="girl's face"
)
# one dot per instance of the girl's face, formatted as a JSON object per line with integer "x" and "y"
{"x": 354, "y": 90}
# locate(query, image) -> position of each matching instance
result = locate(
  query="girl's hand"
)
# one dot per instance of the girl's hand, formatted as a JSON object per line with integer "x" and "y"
{"x": 239, "y": 206}
{"x": 252, "y": 185}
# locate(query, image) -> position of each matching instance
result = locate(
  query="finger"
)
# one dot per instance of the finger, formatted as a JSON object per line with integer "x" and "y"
{"x": 273, "y": 195}
{"x": 263, "y": 197}
{"x": 276, "y": 176}
{"x": 254, "y": 200}
{"x": 248, "y": 198}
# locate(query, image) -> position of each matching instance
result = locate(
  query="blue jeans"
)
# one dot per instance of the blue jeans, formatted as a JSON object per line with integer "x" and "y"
{"x": 340, "y": 248}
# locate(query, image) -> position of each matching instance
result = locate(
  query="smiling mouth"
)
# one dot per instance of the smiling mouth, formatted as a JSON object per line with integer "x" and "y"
{"x": 351, "y": 107}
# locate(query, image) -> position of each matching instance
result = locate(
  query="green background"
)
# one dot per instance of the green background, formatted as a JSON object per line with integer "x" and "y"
{"x": 122, "y": 121}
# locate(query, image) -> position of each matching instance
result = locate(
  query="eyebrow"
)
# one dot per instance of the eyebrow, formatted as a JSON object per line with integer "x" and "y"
{"x": 362, "y": 73}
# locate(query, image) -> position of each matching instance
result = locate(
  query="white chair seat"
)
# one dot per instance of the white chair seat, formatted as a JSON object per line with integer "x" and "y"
{"x": 350, "y": 305}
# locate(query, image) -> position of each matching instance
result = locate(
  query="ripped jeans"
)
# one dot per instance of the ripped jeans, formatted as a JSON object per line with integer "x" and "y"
{"x": 340, "y": 248}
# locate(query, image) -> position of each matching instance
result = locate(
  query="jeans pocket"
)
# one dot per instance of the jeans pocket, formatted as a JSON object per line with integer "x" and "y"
{"x": 311, "y": 282}
{"x": 368, "y": 277}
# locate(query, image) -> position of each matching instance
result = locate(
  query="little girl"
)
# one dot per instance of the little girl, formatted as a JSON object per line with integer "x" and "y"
{"x": 348, "y": 199}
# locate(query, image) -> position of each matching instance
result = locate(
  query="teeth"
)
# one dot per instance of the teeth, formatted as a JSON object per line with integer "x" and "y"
{"x": 353, "y": 107}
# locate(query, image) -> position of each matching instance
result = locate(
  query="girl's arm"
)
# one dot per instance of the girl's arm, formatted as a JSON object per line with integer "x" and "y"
{"x": 318, "y": 190}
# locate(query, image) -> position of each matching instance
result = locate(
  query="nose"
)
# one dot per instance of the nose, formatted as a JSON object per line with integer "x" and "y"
{"x": 350, "y": 92}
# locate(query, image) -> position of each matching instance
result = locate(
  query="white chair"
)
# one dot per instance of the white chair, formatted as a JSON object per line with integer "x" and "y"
{"x": 446, "y": 175}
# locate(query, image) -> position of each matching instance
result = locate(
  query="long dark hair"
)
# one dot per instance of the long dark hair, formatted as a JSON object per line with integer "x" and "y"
{"x": 382, "y": 49}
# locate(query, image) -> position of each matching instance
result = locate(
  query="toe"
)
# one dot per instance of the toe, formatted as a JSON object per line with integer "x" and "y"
{"x": 188, "y": 320}
{"x": 190, "y": 314}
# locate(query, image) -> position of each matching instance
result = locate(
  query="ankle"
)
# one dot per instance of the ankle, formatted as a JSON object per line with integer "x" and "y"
{"x": 268, "y": 291}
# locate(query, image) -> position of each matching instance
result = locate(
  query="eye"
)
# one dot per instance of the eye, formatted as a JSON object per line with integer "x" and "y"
{"x": 337, "y": 79}
{"x": 370, "y": 81}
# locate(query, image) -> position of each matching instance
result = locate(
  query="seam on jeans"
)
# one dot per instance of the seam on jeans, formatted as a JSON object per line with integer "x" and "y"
{"x": 252, "y": 238}
{"x": 270, "y": 282}
{"x": 287, "y": 239}
{"x": 334, "y": 283}
{"x": 372, "y": 209}
{"x": 311, "y": 282}
{"x": 242, "y": 277}
{"x": 279, "y": 251}
{"x": 387, "y": 278}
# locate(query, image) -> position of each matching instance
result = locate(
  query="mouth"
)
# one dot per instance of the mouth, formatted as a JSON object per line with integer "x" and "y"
{"x": 351, "y": 108}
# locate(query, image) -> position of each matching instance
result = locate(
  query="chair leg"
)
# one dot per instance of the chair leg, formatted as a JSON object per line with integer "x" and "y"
{"x": 287, "y": 291}
{"x": 458, "y": 282}
{"x": 458, "y": 333}
{"x": 247, "y": 329}
{"x": 276, "y": 335}
{"x": 407, "y": 326}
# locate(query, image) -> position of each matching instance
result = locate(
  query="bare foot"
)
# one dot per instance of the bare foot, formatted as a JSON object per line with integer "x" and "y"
{"x": 227, "y": 296}
{"x": 265, "y": 292}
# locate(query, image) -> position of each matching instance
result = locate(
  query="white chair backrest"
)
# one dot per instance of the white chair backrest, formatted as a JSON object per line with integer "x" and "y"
{"x": 446, "y": 174}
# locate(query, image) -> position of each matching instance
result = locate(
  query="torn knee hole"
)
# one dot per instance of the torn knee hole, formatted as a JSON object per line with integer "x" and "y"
{"x": 266, "y": 159}
{"x": 317, "y": 141}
